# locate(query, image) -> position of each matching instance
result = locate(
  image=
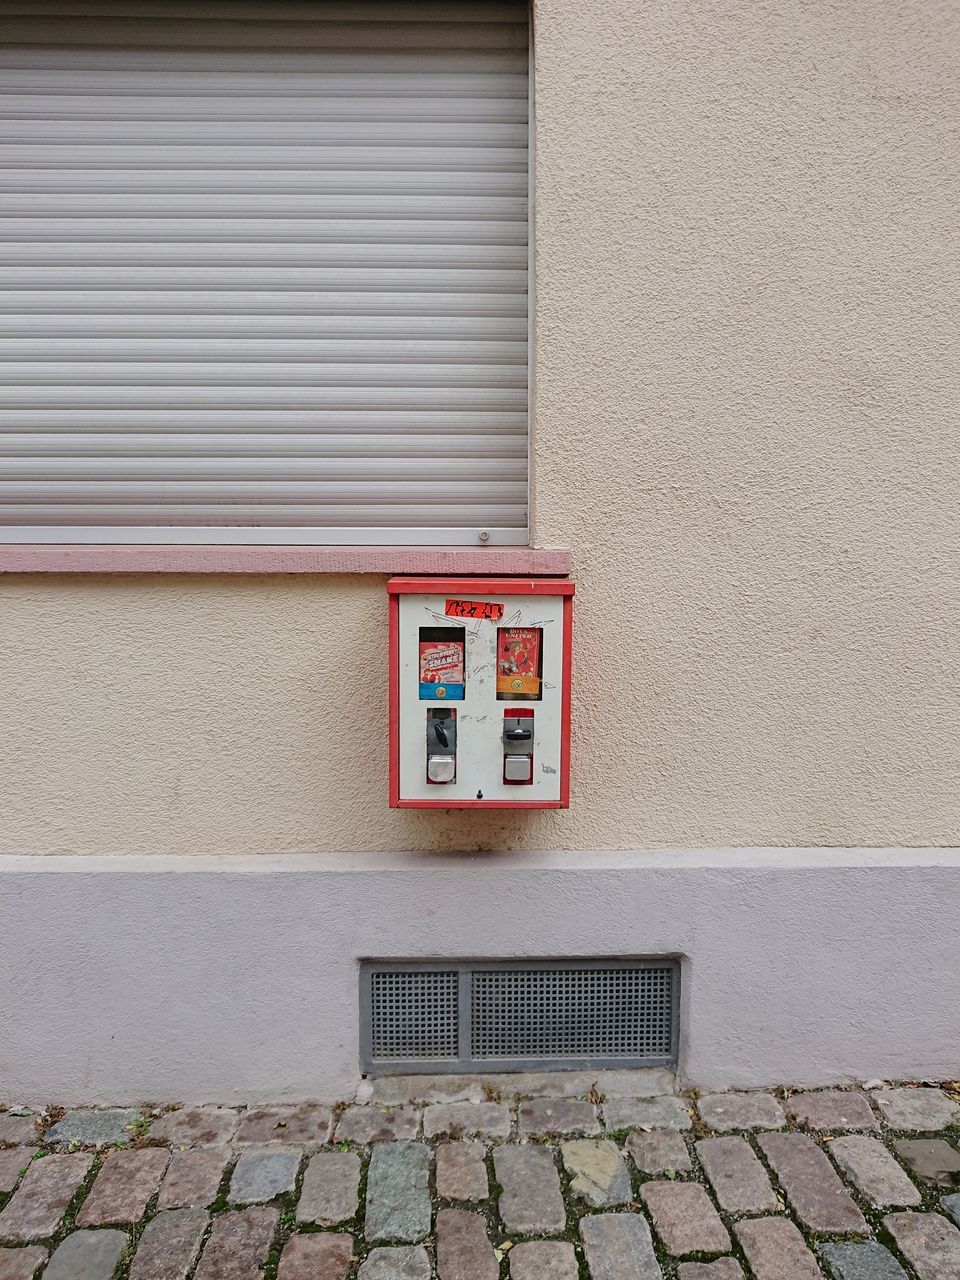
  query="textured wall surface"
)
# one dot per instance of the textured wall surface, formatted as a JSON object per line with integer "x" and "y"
{"x": 236, "y": 979}
{"x": 210, "y": 715}
{"x": 748, "y": 382}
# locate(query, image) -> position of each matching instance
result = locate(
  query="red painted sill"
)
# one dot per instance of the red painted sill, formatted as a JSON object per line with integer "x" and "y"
{"x": 248, "y": 559}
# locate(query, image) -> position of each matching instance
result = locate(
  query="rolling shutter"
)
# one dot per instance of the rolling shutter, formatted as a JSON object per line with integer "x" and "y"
{"x": 264, "y": 272}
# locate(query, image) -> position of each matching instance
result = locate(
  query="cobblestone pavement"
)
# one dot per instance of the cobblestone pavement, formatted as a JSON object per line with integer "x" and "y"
{"x": 562, "y": 1176}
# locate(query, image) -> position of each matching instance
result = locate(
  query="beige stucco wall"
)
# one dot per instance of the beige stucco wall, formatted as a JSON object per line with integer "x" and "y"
{"x": 748, "y": 387}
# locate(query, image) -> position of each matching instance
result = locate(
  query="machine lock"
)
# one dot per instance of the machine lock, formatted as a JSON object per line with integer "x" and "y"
{"x": 441, "y": 744}
{"x": 518, "y": 746}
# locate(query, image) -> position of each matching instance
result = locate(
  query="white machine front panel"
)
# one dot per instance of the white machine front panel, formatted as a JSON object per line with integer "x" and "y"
{"x": 480, "y": 715}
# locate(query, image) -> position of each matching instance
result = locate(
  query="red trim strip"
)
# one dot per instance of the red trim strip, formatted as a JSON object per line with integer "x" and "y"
{"x": 394, "y": 679}
{"x": 488, "y": 587}
{"x": 479, "y": 804}
{"x": 565, "y": 703}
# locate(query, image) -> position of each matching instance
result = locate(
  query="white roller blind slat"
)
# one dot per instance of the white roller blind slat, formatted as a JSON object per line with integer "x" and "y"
{"x": 264, "y": 350}
{"x": 54, "y": 78}
{"x": 487, "y": 331}
{"x": 204, "y": 207}
{"x": 319, "y": 422}
{"x": 29, "y": 454}
{"x": 280, "y": 398}
{"x": 329, "y": 306}
{"x": 416, "y": 155}
{"x": 252, "y": 234}
{"x": 125, "y": 276}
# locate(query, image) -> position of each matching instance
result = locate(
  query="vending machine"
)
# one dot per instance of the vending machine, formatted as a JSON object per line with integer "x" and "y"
{"x": 480, "y": 693}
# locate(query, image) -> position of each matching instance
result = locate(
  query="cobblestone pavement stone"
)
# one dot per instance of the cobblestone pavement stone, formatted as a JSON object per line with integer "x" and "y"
{"x": 462, "y": 1171}
{"x": 527, "y": 1177}
{"x": 264, "y": 1174}
{"x": 125, "y": 1185}
{"x": 832, "y": 1110}
{"x": 87, "y": 1255}
{"x": 658, "y": 1151}
{"x": 598, "y": 1172}
{"x": 919, "y": 1110}
{"x": 13, "y": 1161}
{"x": 544, "y": 1260}
{"x": 558, "y": 1115}
{"x": 869, "y": 1261}
{"x": 330, "y": 1188}
{"x": 22, "y": 1264}
{"x": 319, "y": 1255}
{"x": 874, "y": 1172}
{"x": 169, "y": 1245}
{"x": 684, "y": 1218}
{"x": 17, "y": 1128}
{"x": 196, "y": 1126}
{"x": 739, "y": 1180}
{"x": 814, "y": 1191}
{"x": 728, "y": 1112}
{"x": 464, "y": 1251}
{"x": 193, "y": 1178}
{"x": 720, "y": 1269}
{"x": 932, "y": 1160}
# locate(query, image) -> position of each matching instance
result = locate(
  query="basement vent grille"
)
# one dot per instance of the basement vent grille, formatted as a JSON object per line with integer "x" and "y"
{"x": 413, "y": 1015}
{"x": 500, "y": 1015}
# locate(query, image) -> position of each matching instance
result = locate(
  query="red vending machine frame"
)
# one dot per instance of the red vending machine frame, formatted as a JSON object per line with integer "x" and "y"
{"x": 465, "y": 587}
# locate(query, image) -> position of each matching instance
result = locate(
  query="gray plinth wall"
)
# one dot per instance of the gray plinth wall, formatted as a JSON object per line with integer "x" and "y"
{"x": 236, "y": 978}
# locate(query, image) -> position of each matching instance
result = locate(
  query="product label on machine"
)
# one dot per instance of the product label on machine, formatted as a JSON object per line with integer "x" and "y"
{"x": 518, "y": 661}
{"x": 485, "y": 609}
{"x": 442, "y": 669}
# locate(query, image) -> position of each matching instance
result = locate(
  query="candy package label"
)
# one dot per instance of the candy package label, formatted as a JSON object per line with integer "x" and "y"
{"x": 442, "y": 669}
{"x": 518, "y": 661}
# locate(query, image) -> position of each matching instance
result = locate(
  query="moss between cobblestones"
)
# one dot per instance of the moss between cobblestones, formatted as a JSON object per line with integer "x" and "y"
{"x": 286, "y": 1222}
{"x": 140, "y": 1130}
{"x": 352, "y": 1225}
{"x": 222, "y": 1198}
{"x": 572, "y": 1232}
{"x": 203, "y": 1244}
{"x": 618, "y": 1135}
{"x": 122, "y": 1270}
{"x": 491, "y": 1211}
{"x": 47, "y": 1120}
{"x": 75, "y": 1205}
{"x": 699, "y": 1128}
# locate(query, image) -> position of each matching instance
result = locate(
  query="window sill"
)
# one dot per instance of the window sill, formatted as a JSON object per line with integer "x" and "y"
{"x": 295, "y": 559}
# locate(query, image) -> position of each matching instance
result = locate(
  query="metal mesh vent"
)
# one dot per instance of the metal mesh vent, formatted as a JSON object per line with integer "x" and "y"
{"x": 571, "y": 1013}
{"x": 414, "y": 1015}
{"x": 519, "y": 1015}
